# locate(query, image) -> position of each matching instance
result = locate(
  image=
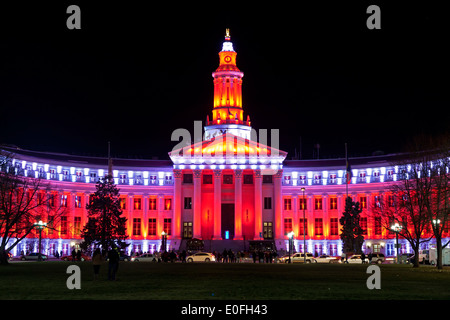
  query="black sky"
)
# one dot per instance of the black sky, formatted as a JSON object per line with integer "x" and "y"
{"x": 135, "y": 73}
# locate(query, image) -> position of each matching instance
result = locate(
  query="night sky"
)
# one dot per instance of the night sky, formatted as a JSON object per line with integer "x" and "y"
{"x": 135, "y": 73}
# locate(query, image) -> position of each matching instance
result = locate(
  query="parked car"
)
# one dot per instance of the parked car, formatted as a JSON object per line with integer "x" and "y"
{"x": 299, "y": 258}
{"x": 146, "y": 257}
{"x": 378, "y": 258}
{"x": 83, "y": 258}
{"x": 33, "y": 256}
{"x": 327, "y": 259}
{"x": 201, "y": 257}
{"x": 124, "y": 257}
{"x": 356, "y": 258}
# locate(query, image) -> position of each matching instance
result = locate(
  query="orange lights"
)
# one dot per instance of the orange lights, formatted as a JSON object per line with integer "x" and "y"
{"x": 227, "y": 144}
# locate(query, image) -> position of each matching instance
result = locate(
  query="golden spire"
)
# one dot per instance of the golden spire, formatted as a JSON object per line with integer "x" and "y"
{"x": 227, "y": 34}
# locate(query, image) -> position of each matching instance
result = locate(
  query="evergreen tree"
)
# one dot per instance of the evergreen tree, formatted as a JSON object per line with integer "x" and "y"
{"x": 351, "y": 231}
{"x": 105, "y": 226}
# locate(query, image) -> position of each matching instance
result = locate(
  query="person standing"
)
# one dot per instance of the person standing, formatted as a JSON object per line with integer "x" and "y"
{"x": 113, "y": 265}
{"x": 97, "y": 260}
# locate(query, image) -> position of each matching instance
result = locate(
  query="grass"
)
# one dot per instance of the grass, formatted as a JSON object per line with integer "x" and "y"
{"x": 150, "y": 281}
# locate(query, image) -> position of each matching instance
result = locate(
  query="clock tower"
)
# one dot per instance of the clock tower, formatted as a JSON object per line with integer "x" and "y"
{"x": 227, "y": 114}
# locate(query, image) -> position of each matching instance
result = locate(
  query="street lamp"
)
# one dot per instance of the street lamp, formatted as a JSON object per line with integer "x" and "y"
{"x": 163, "y": 241}
{"x": 304, "y": 227}
{"x": 291, "y": 237}
{"x": 397, "y": 229}
{"x": 39, "y": 226}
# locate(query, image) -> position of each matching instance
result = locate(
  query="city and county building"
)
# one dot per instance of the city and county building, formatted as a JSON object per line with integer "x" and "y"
{"x": 226, "y": 190}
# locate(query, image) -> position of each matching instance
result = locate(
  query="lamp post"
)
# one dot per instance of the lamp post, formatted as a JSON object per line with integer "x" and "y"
{"x": 291, "y": 237}
{"x": 396, "y": 228}
{"x": 163, "y": 241}
{"x": 39, "y": 226}
{"x": 304, "y": 227}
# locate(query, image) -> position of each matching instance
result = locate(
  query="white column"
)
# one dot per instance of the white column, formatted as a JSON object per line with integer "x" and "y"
{"x": 278, "y": 207}
{"x": 176, "y": 225}
{"x": 197, "y": 204}
{"x": 258, "y": 204}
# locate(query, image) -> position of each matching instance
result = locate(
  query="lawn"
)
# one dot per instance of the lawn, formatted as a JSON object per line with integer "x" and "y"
{"x": 157, "y": 281}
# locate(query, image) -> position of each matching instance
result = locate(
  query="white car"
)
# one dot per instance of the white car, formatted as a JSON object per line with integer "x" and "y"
{"x": 33, "y": 256}
{"x": 356, "y": 258}
{"x": 300, "y": 258}
{"x": 201, "y": 257}
{"x": 327, "y": 259}
{"x": 146, "y": 257}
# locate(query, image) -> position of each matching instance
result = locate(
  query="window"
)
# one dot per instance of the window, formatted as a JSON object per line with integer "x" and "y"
{"x": 227, "y": 179}
{"x": 152, "y": 227}
{"x": 301, "y": 227}
{"x": 287, "y": 204}
{"x": 363, "y": 202}
{"x": 391, "y": 201}
{"x": 267, "y": 203}
{"x": 362, "y": 177}
{"x": 77, "y": 201}
{"x": 123, "y": 203}
{"x": 168, "y": 226}
{"x": 152, "y": 204}
{"x": 377, "y": 200}
{"x": 188, "y": 203}
{"x": 267, "y": 179}
{"x": 64, "y": 200}
{"x": 137, "y": 203}
{"x": 318, "y": 203}
{"x": 317, "y": 179}
{"x": 363, "y": 224}
{"x": 318, "y": 249}
{"x": 287, "y": 180}
{"x": 248, "y": 179}
{"x": 187, "y": 230}
{"x": 153, "y": 179}
{"x": 77, "y": 226}
{"x": 333, "y": 250}
{"x": 267, "y": 230}
{"x": 123, "y": 178}
{"x": 334, "y": 226}
{"x": 303, "y": 204}
{"x": 302, "y": 179}
{"x": 51, "y": 200}
{"x": 333, "y": 203}
{"x": 63, "y": 225}
{"x": 207, "y": 179}
{"x": 168, "y": 203}
{"x": 332, "y": 178}
{"x": 136, "y": 226}
{"x": 378, "y": 226}
{"x": 318, "y": 227}
{"x": 287, "y": 225}
{"x": 187, "y": 178}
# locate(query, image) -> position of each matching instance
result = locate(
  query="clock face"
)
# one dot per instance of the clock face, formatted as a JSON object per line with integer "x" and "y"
{"x": 227, "y": 59}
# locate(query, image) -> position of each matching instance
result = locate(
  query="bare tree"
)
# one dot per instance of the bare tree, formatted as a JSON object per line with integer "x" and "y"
{"x": 23, "y": 201}
{"x": 420, "y": 199}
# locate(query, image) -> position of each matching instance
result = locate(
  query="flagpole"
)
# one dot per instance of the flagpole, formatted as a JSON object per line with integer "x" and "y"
{"x": 109, "y": 161}
{"x": 346, "y": 173}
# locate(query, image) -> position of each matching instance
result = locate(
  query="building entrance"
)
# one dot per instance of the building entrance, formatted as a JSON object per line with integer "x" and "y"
{"x": 227, "y": 220}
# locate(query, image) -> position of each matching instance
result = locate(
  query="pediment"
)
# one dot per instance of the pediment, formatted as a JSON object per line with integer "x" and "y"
{"x": 228, "y": 149}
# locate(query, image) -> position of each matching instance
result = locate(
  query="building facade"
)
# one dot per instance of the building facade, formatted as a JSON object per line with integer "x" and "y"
{"x": 226, "y": 190}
